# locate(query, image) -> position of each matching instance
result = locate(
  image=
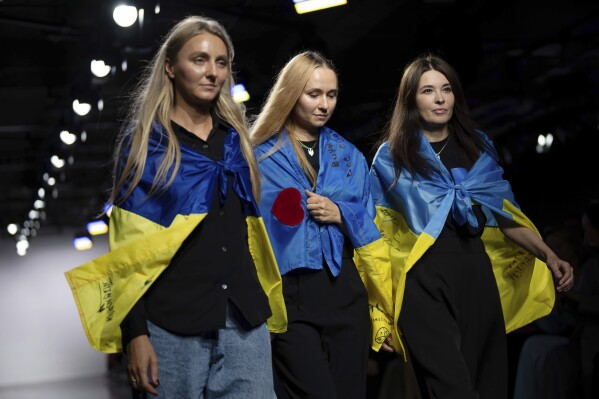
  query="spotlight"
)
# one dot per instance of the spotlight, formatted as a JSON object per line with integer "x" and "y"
{"x": 124, "y": 16}
{"x": 304, "y": 6}
{"x": 57, "y": 162}
{"x": 67, "y": 137}
{"x": 239, "y": 93}
{"x": 81, "y": 242}
{"x": 99, "y": 68}
{"x": 81, "y": 109}
{"x": 12, "y": 229}
{"x": 97, "y": 227}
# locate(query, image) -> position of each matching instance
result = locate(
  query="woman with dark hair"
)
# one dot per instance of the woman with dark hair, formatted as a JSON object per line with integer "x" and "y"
{"x": 468, "y": 265}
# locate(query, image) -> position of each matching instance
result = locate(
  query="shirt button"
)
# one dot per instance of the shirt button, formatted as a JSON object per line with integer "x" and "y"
{"x": 205, "y": 146}
{"x": 224, "y": 249}
{"x": 224, "y": 286}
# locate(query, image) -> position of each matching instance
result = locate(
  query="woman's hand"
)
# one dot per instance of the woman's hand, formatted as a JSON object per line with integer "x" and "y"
{"x": 322, "y": 209}
{"x": 386, "y": 346}
{"x": 141, "y": 356}
{"x": 563, "y": 274}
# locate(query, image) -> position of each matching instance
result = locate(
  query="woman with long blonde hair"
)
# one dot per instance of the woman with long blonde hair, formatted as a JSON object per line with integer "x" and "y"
{"x": 185, "y": 297}
{"x": 318, "y": 212}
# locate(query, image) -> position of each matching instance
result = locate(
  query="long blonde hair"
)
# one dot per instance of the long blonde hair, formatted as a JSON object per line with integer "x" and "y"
{"x": 153, "y": 100}
{"x": 282, "y": 97}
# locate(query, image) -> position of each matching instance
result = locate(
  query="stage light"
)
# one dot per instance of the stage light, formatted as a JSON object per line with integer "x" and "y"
{"x": 239, "y": 93}
{"x": 304, "y": 6}
{"x": 81, "y": 109}
{"x": 124, "y": 16}
{"x": 22, "y": 246}
{"x": 99, "y": 68}
{"x": 57, "y": 162}
{"x": 97, "y": 227}
{"x": 82, "y": 242}
{"x": 12, "y": 229}
{"x": 67, "y": 137}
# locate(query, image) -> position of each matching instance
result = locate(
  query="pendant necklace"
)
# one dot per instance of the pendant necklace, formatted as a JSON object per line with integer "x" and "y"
{"x": 310, "y": 149}
{"x": 442, "y": 148}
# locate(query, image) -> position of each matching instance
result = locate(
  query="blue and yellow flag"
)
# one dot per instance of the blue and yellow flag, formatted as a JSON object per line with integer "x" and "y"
{"x": 146, "y": 232}
{"x": 412, "y": 214}
{"x": 300, "y": 242}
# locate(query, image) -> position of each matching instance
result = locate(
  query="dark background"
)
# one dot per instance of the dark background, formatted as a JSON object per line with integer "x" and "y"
{"x": 528, "y": 68}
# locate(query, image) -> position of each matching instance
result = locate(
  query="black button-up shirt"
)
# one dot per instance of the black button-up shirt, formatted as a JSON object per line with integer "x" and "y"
{"x": 212, "y": 267}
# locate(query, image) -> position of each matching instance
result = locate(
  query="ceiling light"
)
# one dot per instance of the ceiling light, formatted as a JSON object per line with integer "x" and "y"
{"x": 41, "y": 193}
{"x": 23, "y": 244}
{"x": 97, "y": 227}
{"x": 57, "y": 162}
{"x": 51, "y": 181}
{"x": 304, "y": 6}
{"x": 12, "y": 229}
{"x": 124, "y": 16}
{"x": 99, "y": 68}
{"x": 81, "y": 108}
{"x": 157, "y": 8}
{"x": 67, "y": 137}
{"x": 82, "y": 242}
{"x": 239, "y": 93}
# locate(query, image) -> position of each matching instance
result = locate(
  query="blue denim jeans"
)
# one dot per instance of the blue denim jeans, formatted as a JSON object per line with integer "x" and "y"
{"x": 227, "y": 363}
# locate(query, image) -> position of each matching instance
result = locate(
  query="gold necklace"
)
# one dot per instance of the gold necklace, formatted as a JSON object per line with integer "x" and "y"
{"x": 310, "y": 149}
{"x": 442, "y": 148}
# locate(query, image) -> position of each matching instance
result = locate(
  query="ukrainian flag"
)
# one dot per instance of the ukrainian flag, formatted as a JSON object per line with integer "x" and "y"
{"x": 146, "y": 232}
{"x": 412, "y": 214}
{"x": 300, "y": 241}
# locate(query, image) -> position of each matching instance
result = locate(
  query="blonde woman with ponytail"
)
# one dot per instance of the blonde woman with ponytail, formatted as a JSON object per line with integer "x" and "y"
{"x": 181, "y": 292}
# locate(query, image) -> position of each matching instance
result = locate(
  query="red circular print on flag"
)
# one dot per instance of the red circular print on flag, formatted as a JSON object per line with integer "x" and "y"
{"x": 287, "y": 207}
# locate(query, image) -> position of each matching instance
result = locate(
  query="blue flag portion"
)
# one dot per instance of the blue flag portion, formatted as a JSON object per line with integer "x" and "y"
{"x": 298, "y": 240}
{"x": 194, "y": 183}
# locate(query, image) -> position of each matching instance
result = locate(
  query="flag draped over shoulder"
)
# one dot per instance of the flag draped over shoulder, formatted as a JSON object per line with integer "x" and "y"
{"x": 412, "y": 214}
{"x": 299, "y": 241}
{"x": 146, "y": 232}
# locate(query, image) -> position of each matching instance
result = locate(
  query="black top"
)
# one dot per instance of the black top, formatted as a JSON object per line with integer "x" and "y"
{"x": 212, "y": 267}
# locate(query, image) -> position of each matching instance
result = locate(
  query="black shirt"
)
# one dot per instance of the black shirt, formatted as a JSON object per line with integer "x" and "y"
{"x": 212, "y": 267}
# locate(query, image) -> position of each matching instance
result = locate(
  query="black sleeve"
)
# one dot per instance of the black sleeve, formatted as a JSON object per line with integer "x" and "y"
{"x": 134, "y": 324}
